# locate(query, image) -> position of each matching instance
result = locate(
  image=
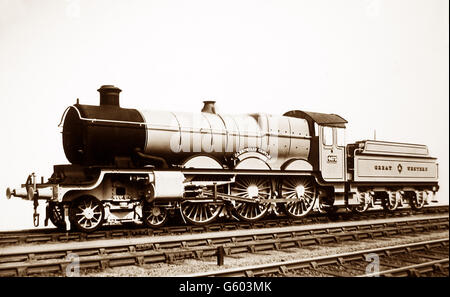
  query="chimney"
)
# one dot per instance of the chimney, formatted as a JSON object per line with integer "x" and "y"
{"x": 209, "y": 107}
{"x": 109, "y": 95}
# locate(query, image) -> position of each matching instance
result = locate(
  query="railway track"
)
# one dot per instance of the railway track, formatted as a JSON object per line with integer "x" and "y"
{"x": 416, "y": 259}
{"x": 110, "y": 232}
{"x": 55, "y": 258}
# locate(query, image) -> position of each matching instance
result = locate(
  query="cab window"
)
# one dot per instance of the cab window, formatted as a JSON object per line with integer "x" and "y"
{"x": 340, "y": 136}
{"x": 327, "y": 136}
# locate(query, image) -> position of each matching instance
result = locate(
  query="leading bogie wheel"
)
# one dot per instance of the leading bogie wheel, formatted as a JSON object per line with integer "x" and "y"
{"x": 255, "y": 188}
{"x": 86, "y": 214}
{"x": 302, "y": 191}
{"x": 154, "y": 216}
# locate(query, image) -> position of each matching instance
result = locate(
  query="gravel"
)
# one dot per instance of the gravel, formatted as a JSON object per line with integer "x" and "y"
{"x": 191, "y": 266}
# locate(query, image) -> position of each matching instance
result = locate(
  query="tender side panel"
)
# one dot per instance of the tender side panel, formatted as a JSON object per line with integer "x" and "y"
{"x": 395, "y": 169}
{"x": 397, "y": 149}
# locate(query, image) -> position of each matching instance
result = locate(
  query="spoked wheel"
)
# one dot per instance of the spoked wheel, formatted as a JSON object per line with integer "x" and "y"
{"x": 417, "y": 199}
{"x": 365, "y": 200}
{"x": 56, "y": 215}
{"x": 254, "y": 188}
{"x": 390, "y": 200}
{"x": 202, "y": 213}
{"x": 199, "y": 213}
{"x": 303, "y": 193}
{"x": 154, "y": 216}
{"x": 87, "y": 214}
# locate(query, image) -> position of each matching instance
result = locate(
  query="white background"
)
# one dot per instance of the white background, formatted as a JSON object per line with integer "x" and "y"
{"x": 379, "y": 64}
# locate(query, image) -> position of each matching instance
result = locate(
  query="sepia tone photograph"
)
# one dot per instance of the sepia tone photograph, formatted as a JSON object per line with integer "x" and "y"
{"x": 196, "y": 139}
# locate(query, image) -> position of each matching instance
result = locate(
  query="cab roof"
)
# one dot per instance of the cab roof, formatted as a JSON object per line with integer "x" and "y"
{"x": 324, "y": 119}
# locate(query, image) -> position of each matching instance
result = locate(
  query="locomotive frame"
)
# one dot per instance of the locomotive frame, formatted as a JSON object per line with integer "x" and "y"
{"x": 130, "y": 166}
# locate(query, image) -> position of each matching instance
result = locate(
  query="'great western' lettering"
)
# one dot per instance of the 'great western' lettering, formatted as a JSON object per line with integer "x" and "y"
{"x": 383, "y": 167}
{"x": 416, "y": 168}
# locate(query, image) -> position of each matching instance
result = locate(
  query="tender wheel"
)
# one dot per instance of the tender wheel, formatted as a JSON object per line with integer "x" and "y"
{"x": 255, "y": 188}
{"x": 365, "y": 200}
{"x": 87, "y": 214}
{"x": 303, "y": 193}
{"x": 390, "y": 200}
{"x": 154, "y": 216}
{"x": 56, "y": 215}
{"x": 417, "y": 199}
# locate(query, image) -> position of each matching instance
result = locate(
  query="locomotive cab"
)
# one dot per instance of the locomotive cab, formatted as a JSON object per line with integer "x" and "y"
{"x": 328, "y": 142}
{"x": 332, "y": 153}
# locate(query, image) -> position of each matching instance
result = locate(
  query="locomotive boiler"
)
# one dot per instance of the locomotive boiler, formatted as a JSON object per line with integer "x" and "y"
{"x": 129, "y": 165}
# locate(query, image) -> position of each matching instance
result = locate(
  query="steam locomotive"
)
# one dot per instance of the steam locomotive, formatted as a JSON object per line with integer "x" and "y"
{"x": 129, "y": 165}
